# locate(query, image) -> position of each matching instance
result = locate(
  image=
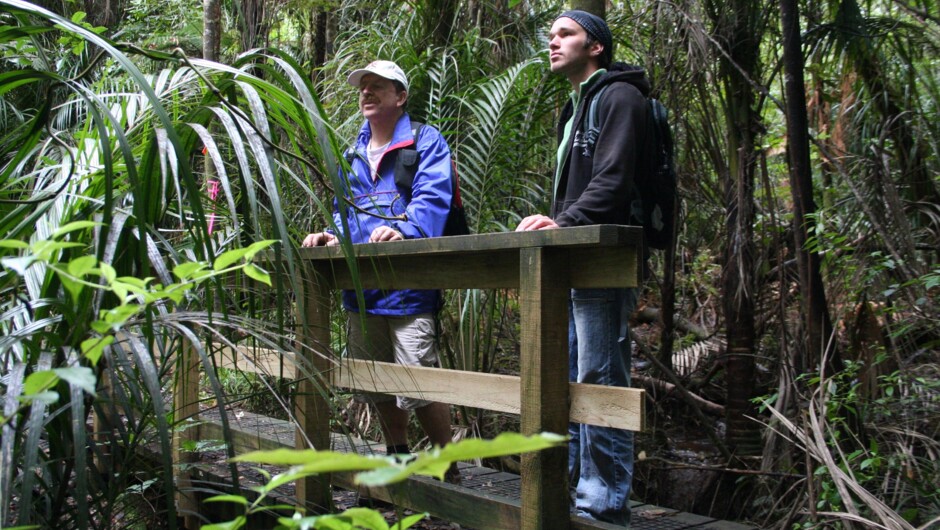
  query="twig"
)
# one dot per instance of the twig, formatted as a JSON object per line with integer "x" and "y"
{"x": 658, "y": 384}
{"x": 680, "y": 465}
{"x": 685, "y": 394}
{"x": 651, "y": 315}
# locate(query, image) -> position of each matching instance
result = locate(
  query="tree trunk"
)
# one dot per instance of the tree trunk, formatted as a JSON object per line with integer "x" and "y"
{"x": 438, "y": 19}
{"x": 597, "y": 7}
{"x": 319, "y": 40}
{"x": 816, "y": 320}
{"x": 668, "y": 293}
{"x": 738, "y": 29}
{"x": 253, "y": 22}
{"x": 107, "y": 13}
{"x": 211, "y": 29}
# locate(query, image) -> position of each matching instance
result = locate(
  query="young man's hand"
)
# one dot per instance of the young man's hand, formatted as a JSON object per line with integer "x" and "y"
{"x": 536, "y": 222}
{"x": 320, "y": 239}
{"x": 385, "y": 233}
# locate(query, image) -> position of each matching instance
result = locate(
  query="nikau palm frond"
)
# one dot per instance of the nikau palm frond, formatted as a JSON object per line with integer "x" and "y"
{"x": 127, "y": 151}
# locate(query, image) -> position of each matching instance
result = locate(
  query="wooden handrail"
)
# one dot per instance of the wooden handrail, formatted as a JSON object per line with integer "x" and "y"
{"x": 543, "y": 265}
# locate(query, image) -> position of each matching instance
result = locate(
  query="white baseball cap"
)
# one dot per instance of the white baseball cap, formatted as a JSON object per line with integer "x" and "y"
{"x": 386, "y": 69}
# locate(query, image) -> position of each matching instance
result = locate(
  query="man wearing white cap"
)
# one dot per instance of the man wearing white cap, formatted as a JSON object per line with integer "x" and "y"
{"x": 394, "y": 326}
{"x": 595, "y": 183}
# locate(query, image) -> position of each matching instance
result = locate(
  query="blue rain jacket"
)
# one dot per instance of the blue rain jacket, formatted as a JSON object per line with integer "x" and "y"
{"x": 424, "y": 216}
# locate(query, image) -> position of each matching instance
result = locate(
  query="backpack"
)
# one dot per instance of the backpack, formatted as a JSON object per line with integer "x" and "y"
{"x": 406, "y": 167}
{"x": 658, "y": 188}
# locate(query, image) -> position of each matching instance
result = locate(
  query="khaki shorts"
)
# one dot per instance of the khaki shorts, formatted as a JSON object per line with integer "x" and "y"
{"x": 406, "y": 340}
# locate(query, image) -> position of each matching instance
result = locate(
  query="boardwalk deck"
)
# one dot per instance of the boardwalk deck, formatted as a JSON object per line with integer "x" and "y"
{"x": 444, "y": 501}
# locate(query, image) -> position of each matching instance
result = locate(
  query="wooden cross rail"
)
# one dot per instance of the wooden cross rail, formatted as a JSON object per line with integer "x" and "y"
{"x": 543, "y": 266}
{"x": 592, "y": 404}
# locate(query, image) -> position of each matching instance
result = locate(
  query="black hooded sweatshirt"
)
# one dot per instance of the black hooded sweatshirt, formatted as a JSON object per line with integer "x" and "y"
{"x": 597, "y": 182}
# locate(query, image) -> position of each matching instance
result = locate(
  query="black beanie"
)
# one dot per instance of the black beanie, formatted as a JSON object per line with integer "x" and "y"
{"x": 596, "y": 27}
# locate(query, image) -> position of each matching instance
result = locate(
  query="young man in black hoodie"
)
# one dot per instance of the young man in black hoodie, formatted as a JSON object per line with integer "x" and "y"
{"x": 595, "y": 184}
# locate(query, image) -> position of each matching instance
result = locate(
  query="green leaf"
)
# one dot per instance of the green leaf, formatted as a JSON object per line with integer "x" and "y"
{"x": 80, "y": 376}
{"x": 48, "y": 397}
{"x": 409, "y": 521}
{"x": 238, "y": 499}
{"x": 120, "y": 290}
{"x": 258, "y": 246}
{"x": 507, "y": 443}
{"x": 135, "y": 282}
{"x": 129, "y": 284}
{"x": 72, "y": 227}
{"x": 311, "y": 459}
{"x": 40, "y": 381}
{"x": 393, "y": 475}
{"x": 13, "y": 243}
{"x": 93, "y": 348}
{"x": 46, "y": 249}
{"x": 332, "y": 521}
{"x": 300, "y": 522}
{"x": 257, "y": 274}
{"x": 73, "y": 287}
{"x": 234, "y": 524}
{"x": 81, "y": 266}
{"x": 436, "y": 463}
{"x": 365, "y": 518}
{"x": 175, "y": 292}
{"x": 228, "y": 258}
{"x": 107, "y": 271}
{"x": 114, "y": 319}
{"x": 188, "y": 271}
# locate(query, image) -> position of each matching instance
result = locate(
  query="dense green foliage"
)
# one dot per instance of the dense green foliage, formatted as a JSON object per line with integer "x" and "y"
{"x": 166, "y": 159}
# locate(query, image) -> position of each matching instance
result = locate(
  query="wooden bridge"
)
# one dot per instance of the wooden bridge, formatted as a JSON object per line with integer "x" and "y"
{"x": 543, "y": 266}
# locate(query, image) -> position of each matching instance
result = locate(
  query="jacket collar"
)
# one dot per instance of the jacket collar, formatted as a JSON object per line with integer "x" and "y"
{"x": 402, "y": 137}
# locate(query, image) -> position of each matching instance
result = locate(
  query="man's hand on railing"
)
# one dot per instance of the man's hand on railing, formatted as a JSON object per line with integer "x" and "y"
{"x": 385, "y": 233}
{"x": 320, "y": 239}
{"x": 536, "y": 222}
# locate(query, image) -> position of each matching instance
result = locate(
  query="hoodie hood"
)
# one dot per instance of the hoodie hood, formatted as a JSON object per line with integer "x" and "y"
{"x": 623, "y": 72}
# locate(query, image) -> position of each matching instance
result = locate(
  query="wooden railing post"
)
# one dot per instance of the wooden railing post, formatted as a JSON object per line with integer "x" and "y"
{"x": 543, "y": 302}
{"x": 313, "y": 410}
{"x": 185, "y": 408}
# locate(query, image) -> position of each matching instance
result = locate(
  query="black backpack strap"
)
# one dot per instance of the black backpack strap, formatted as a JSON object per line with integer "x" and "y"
{"x": 406, "y": 164}
{"x": 591, "y": 129}
{"x": 406, "y": 168}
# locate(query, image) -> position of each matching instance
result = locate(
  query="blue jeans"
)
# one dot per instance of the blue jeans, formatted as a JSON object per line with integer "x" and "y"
{"x": 600, "y": 459}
